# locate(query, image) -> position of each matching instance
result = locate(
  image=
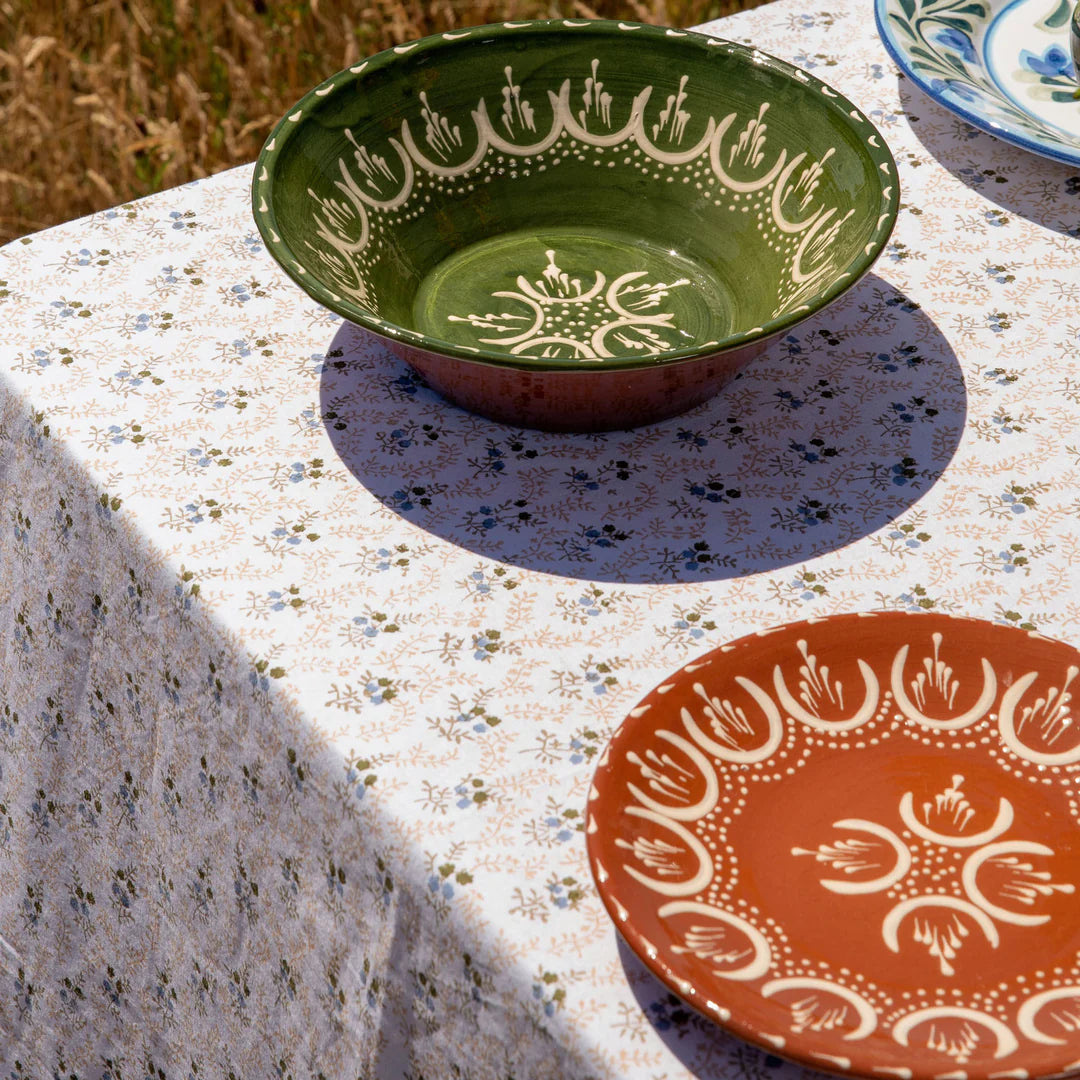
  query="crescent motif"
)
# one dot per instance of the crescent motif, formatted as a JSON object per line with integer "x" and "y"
{"x": 976, "y": 712}
{"x": 721, "y": 174}
{"x": 1002, "y": 822}
{"x": 878, "y": 884}
{"x": 890, "y": 928}
{"x": 1007, "y": 727}
{"x": 1025, "y": 1015}
{"x": 726, "y": 753}
{"x": 762, "y": 960}
{"x": 1006, "y": 1040}
{"x": 796, "y": 710}
{"x": 974, "y": 863}
{"x": 866, "y": 1012}
{"x": 712, "y": 785}
{"x": 671, "y": 888}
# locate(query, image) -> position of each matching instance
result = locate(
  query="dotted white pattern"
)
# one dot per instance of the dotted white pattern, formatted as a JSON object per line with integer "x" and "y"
{"x": 804, "y": 745}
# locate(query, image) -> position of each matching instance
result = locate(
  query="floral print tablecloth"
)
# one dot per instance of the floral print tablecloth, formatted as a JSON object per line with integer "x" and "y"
{"x": 305, "y": 672}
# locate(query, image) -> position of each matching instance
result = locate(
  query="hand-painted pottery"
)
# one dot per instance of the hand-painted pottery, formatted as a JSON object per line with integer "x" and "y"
{"x": 1003, "y": 65}
{"x": 1074, "y": 45}
{"x": 575, "y": 224}
{"x": 856, "y": 842}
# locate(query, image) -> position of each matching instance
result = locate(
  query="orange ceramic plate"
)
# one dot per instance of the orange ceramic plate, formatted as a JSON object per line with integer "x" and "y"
{"x": 856, "y": 842}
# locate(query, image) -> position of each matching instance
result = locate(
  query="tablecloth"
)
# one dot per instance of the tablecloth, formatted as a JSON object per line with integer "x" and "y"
{"x": 305, "y": 672}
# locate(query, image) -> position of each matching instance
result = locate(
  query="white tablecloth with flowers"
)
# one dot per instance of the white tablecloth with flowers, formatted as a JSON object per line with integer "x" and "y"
{"x": 304, "y": 672}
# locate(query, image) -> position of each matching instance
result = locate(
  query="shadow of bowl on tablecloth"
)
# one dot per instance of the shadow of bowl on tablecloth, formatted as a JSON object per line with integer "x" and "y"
{"x": 1017, "y": 181}
{"x": 702, "y": 1047}
{"x": 832, "y": 434}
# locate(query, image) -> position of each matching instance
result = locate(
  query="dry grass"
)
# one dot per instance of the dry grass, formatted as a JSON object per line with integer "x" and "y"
{"x": 104, "y": 102}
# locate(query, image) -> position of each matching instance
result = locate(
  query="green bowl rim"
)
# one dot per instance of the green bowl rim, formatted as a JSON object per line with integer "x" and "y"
{"x": 262, "y": 203}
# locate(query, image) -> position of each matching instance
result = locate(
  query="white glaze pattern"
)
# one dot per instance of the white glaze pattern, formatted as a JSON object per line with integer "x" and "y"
{"x": 619, "y": 318}
{"x": 990, "y": 879}
{"x": 733, "y": 158}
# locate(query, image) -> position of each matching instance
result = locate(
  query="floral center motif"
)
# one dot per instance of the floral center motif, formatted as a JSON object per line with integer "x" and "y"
{"x": 563, "y": 315}
{"x": 996, "y": 879}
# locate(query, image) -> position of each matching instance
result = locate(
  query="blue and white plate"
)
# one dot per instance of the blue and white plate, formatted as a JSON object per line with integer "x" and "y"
{"x": 1003, "y": 66}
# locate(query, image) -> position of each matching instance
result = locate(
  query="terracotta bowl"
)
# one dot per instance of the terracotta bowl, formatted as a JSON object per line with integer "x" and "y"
{"x": 575, "y": 225}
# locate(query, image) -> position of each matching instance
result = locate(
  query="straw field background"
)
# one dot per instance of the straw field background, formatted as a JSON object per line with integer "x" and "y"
{"x": 103, "y": 102}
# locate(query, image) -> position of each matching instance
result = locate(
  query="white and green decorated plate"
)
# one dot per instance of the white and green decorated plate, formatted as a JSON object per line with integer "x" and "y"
{"x": 1002, "y": 66}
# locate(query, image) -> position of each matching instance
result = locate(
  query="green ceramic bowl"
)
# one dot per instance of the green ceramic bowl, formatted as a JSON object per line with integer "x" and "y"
{"x": 575, "y": 225}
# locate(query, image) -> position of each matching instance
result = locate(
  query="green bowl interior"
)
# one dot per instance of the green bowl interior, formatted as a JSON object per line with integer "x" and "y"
{"x": 562, "y": 192}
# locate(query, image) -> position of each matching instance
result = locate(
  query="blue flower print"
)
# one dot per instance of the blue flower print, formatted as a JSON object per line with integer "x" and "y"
{"x": 437, "y": 885}
{"x": 378, "y": 690}
{"x": 1009, "y": 561}
{"x": 961, "y": 90}
{"x": 473, "y": 719}
{"x": 902, "y": 472}
{"x": 668, "y": 1013}
{"x": 1014, "y": 503}
{"x": 471, "y": 793}
{"x": 1053, "y": 62}
{"x": 283, "y": 533}
{"x": 407, "y": 384}
{"x": 385, "y": 559}
{"x": 577, "y": 750}
{"x": 959, "y": 42}
{"x": 588, "y": 604}
{"x": 559, "y": 895}
{"x": 480, "y": 582}
{"x": 692, "y": 438}
{"x": 353, "y": 781}
{"x": 911, "y": 541}
{"x": 696, "y": 632}
{"x": 560, "y": 833}
{"x": 1005, "y": 424}
{"x": 308, "y": 420}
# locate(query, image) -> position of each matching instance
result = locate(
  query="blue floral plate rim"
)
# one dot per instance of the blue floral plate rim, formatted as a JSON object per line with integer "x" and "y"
{"x": 968, "y": 90}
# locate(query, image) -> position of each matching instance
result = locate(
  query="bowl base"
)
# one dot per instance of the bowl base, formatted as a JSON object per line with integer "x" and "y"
{"x": 585, "y": 293}
{"x": 579, "y": 399}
